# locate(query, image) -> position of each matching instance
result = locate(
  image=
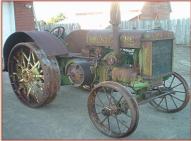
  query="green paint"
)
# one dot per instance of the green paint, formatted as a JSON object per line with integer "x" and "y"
{"x": 137, "y": 85}
{"x": 65, "y": 80}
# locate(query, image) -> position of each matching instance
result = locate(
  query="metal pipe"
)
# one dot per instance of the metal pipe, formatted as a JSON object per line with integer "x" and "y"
{"x": 115, "y": 19}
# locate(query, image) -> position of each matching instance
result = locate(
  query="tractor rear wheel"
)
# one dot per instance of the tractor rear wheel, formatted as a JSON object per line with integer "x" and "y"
{"x": 112, "y": 109}
{"x": 34, "y": 76}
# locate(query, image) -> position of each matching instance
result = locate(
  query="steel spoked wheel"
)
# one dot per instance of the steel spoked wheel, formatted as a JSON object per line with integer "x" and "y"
{"x": 112, "y": 109}
{"x": 31, "y": 75}
{"x": 58, "y": 32}
{"x": 177, "y": 98}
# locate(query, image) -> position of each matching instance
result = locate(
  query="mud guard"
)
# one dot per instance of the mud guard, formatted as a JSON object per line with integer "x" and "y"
{"x": 44, "y": 40}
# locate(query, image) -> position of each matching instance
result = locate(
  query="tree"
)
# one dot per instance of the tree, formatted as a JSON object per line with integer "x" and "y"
{"x": 56, "y": 19}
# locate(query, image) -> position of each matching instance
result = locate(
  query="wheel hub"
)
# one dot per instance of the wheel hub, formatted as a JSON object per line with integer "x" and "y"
{"x": 112, "y": 110}
{"x": 27, "y": 75}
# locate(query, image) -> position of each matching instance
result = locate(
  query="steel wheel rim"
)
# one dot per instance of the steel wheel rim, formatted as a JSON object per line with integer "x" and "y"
{"x": 27, "y": 76}
{"x": 179, "y": 97}
{"x": 124, "y": 124}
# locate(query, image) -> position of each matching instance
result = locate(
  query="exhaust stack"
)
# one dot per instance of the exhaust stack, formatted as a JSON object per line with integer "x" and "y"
{"x": 115, "y": 20}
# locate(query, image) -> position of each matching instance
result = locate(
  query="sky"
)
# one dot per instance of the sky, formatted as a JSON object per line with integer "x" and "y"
{"x": 46, "y": 10}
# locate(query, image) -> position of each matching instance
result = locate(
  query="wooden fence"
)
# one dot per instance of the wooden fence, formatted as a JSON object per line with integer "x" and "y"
{"x": 180, "y": 27}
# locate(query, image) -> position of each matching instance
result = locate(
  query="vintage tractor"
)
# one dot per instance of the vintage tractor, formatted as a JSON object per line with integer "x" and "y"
{"x": 122, "y": 69}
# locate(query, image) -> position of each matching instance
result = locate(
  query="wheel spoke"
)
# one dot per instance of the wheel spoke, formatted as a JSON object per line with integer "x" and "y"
{"x": 21, "y": 80}
{"x": 119, "y": 100}
{"x": 28, "y": 93}
{"x": 176, "y": 86}
{"x": 33, "y": 58}
{"x": 99, "y": 105}
{"x": 166, "y": 103}
{"x": 179, "y": 92}
{"x": 35, "y": 65}
{"x": 173, "y": 101}
{"x": 160, "y": 102}
{"x": 108, "y": 98}
{"x": 103, "y": 120}
{"x": 38, "y": 76}
{"x": 108, "y": 122}
{"x": 172, "y": 81}
{"x": 126, "y": 114}
{"x": 117, "y": 123}
{"x": 100, "y": 100}
{"x": 122, "y": 123}
{"x": 177, "y": 98}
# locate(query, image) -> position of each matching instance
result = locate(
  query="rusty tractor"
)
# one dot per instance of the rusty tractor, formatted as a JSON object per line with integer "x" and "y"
{"x": 122, "y": 69}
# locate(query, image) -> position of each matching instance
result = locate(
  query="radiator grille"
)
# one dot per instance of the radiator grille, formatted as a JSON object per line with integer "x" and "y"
{"x": 162, "y": 57}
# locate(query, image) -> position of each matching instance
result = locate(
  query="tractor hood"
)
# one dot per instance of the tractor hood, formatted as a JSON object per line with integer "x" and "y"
{"x": 127, "y": 38}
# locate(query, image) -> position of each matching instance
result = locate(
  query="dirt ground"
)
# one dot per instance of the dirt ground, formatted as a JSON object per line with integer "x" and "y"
{"x": 67, "y": 117}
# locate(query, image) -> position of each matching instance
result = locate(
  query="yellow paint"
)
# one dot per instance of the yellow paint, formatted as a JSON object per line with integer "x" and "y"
{"x": 147, "y": 59}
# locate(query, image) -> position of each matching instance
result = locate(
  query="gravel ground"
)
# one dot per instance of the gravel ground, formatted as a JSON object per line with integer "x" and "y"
{"x": 67, "y": 117}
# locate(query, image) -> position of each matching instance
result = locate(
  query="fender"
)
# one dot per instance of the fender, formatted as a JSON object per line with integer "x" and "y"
{"x": 44, "y": 40}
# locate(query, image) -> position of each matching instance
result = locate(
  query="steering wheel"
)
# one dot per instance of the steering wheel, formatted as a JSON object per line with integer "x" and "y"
{"x": 58, "y": 32}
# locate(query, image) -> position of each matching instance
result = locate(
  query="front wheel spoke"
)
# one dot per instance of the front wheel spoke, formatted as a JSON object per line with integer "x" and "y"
{"x": 173, "y": 101}
{"x": 100, "y": 100}
{"x": 126, "y": 113}
{"x": 122, "y": 123}
{"x": 108, "y": 122}
{"x": 114, "y": 100}
{"x": 160, "y": 102}
{"x": 176, "y": 86}
{"x": 177, "y": 98}
{"x": 109, "y": 99}
{"x": 166, "y": 103}
{"x": 99, "y": 105}
{"x": 104, "y": 120}
{"x": 117, "y": 123}
{"x": 179, "y": 92}
{"x": 119, "y": 100}
{"x": 172, "y": 81}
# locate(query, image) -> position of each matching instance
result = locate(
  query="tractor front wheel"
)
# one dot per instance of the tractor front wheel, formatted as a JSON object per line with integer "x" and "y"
{"x": 112, "y": 109}
{"x": 178, "y": 96}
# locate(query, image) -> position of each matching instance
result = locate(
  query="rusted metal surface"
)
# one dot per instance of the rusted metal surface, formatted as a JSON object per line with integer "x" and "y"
{"x": 76, "y": 40}
{"x": 50, "y": 44}
{"x": 44, "y": 40}
{"x": 79, "y": 72}
{"x": 34, "y": 76}
{"x": 127, "y": 38}
{"x": 131, "y": 38}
